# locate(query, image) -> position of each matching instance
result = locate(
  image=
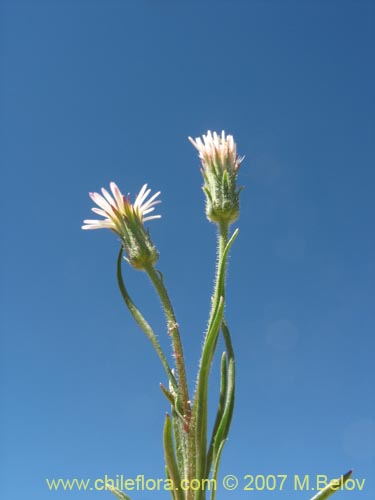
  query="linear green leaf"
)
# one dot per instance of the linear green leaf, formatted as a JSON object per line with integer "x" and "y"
{"x": 180, "y": 443}
{"x": 144, "y": 325}
{"x": 167, "y": 394}
{"x": 220, "y": 409}
{"x": 333, "y": 486}
{"x": 215, "y": 470}
{"x": 119, "y": 494}
{"x": 170, "y": 458}
{"x": 172, "y": 492}
{"x": 223, "y": 429}
{"x": 200, "y": 419}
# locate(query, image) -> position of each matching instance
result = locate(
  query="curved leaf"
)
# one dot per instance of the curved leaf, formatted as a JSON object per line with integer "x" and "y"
{"x": 144, "y": 325}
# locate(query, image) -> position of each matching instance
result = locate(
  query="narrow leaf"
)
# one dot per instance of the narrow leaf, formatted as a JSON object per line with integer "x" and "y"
{"x": 333, "y": 486}
{"x": 180, "y": 443}
{"x": 215, "y": 470}
{"x": 220, "y": 410}
{"x": 119, "y": 494}
{"x": 172, "y": 492}
{"x": 200, "y": 404}
{"x": 144, "y": 325}
{"x": 221, "y": 428}
{"x": 167, "y": 394}
{"x": 170, "y": 458}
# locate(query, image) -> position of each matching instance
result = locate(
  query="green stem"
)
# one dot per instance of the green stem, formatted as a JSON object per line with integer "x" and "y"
{"x": 175, "y": 335}
{"x": 223, "y": 240}
{"x": 182, "y": 389}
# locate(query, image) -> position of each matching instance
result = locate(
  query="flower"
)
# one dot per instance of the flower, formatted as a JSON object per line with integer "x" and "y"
{"x": 117, "y": 208}
{"x": 127, "y": 220}
{"x": 220, "y": 165}
{"x": 217, "y": 152}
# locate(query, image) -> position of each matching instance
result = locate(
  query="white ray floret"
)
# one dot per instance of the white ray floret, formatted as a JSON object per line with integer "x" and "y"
{"x": 117, "y": 209}
{"x": 218, "y": 150}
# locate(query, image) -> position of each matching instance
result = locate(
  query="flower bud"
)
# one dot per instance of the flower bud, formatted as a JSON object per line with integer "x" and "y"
{"x": 220, "y": 165}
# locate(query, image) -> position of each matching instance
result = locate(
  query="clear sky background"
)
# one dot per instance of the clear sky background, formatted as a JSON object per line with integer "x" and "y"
{"x": 94, "y": 91}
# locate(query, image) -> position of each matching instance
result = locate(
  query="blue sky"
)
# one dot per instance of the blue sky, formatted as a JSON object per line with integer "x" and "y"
{"x": 100, "y": 91}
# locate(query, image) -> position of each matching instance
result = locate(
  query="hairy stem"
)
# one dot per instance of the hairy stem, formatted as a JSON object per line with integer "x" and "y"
{"x": 182, "y": 386}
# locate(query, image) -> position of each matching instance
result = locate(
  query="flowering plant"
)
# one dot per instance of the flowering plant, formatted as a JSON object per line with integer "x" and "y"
{"x": 192, "y": 452}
